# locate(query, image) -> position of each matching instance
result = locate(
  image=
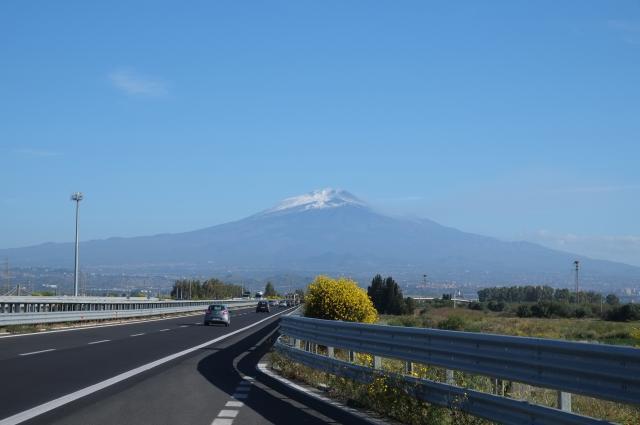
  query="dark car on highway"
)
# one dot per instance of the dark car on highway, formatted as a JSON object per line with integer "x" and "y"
{"x": 217, "y": 313}
{"x": 262, "y": 306}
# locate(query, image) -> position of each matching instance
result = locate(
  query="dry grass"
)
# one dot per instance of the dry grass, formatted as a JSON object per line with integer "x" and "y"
{"x": 591, "y": 330}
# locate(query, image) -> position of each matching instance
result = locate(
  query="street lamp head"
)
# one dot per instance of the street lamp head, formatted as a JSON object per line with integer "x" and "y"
{"x": 77, "y": 196}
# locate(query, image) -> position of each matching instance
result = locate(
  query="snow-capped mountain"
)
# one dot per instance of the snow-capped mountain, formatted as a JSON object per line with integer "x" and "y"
{"x": 318, "y": 199}
{"x": 332, "y": 231}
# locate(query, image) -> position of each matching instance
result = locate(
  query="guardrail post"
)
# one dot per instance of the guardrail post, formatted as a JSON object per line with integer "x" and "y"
{"x": 330, "y": 352}
{"x": 451, "y": 380}
{"x": 352, "y": 356}
{"x": 297, "y": 343}
{"x": 564, "y": 401}
{"x": 408, "y": 368}
{"x": 377, "y": 362}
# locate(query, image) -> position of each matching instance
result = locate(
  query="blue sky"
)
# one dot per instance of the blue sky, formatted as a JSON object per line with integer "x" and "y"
{"x": 514, "y": 119}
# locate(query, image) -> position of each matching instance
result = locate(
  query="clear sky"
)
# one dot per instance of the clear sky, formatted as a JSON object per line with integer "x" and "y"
{"x": 514, "y": 119}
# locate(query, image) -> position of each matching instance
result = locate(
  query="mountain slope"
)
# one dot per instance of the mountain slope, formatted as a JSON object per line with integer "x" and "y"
{"x": 332, "y": 231}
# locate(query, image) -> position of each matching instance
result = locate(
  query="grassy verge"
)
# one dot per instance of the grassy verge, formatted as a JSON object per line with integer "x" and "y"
{"x": 382, "y": 396}
{"x": 591, "y": 330}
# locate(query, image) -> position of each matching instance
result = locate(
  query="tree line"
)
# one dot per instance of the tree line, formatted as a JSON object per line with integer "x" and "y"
{"x": 210, "y": 289}
{"x": 524, "y": 294}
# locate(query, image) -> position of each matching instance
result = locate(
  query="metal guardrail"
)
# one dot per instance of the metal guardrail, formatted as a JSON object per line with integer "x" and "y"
{"x": 123, "y": 310}
{"x": 601, "y": 371}
{"x": 488, "y": 406}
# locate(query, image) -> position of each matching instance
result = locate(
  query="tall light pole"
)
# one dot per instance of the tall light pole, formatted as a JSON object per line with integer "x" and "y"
{"x": 77, "y": 197}
{"x": 577, "y": 264}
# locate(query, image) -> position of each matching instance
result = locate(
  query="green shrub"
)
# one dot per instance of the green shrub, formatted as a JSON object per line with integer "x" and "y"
{"x": 523, "y": 311}
{"x": 452, "y": 323}
{"x": 474, "y": 305}
{"x": 624, "y": 313}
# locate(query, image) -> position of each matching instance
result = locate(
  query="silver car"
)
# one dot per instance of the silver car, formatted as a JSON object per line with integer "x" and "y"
{"x": 217, "y": 313}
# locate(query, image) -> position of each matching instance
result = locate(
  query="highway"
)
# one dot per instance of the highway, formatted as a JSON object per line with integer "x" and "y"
{"x": 171, "y": 371}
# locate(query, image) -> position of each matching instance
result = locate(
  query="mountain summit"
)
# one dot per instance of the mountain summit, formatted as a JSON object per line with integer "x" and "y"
{"x": 318, "y": 199}
{"x": 332, "y": 231}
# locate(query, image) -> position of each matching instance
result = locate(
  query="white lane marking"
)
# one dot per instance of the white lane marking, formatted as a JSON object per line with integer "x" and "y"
{"x": 183, "y": 326}
{"x": 137, "y": 334}
{"x": 234, "y": 404}
{"x": 164, "y": 330}
{"x": 99, "y": 342}
{"x": 61, "y": 401}
{"x": 37, "y": 352}
{"x": 228, "y": 413}
{"x": 222, "y": 421}
{"x": 237, "y": 396}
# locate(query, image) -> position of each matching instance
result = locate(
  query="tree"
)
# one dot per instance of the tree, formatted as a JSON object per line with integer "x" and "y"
{"x": 376, "y": 293}
{"x": 612, "y": 299}
{"x": 269, "y": 290}
{"x": 386, "y": 296}
{"x": 338, "y": 299}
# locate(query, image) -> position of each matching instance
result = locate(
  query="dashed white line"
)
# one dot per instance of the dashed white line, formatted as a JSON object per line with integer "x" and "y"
{"x": 228, "y": 413}
{"x": 137, "y": 334}
{"x": 234, "y": 404}
{"x": 38, "y": 352}
{"x": 164, "y": 330}
{"x": 222, "y": 421}
{"x": 99, "y": 342}
{"x": 183, "y": 326}
{"x": 240, "y": 396}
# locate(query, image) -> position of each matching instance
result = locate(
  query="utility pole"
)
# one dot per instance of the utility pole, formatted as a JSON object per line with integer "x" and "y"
{"x": 577, "y": 264}
{"x": 7, "y": 275}
{"x": 77, "y": 197}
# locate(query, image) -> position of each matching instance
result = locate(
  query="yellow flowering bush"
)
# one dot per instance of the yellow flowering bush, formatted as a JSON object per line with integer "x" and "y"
{"x": 338, "y": 299}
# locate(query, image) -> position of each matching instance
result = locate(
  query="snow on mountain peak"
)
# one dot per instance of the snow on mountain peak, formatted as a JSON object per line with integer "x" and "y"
{"x": 318, "y": 199}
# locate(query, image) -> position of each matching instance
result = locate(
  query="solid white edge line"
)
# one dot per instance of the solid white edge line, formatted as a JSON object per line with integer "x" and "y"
{"x": 262, "y": 367}
{"x": 108, "y": 325}
{"x": 61, "y": 401}
{"x": 38, "y": 352}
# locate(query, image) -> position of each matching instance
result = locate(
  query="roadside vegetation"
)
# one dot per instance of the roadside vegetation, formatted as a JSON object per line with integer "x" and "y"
{"x": 554, "y": 314}
{"x": 211, "y": 289}
{"x": 338, "y": 299}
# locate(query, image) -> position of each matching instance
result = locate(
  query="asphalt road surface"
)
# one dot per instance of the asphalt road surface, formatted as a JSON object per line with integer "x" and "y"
{"x": 173, "y": 371}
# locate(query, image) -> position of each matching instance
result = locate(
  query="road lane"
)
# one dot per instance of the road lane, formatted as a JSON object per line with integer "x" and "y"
{"x": 40, "y": 378}
{"x": 15, "y": 345}
{"x": 217, "y": 385}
